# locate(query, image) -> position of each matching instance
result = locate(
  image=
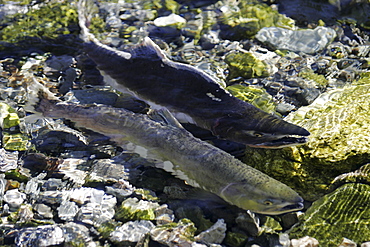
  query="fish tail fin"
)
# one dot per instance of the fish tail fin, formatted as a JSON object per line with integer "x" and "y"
{"x": 86, "y": 10}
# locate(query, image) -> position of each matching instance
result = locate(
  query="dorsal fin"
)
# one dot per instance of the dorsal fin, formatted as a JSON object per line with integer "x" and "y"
{"x": 148, "y": 49}
{"x": 165, "y": 117}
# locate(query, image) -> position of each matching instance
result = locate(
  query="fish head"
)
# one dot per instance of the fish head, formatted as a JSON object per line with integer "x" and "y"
{"x": 261, "y": 130}
{"x": 267, "y": 200}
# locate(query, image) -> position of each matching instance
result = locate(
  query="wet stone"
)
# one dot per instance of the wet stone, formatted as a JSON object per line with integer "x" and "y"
{"x": 105, "y": 170}
{"x": 43, "y": 210}
{"x": 131, "y": 232}
{"x": 135, "y": 209}
{"x": 249, "y": 222}
{"x": 69, "y": 168}
{"x": 8, "y": 160}
{"x": 216, "y": 234}
{"x": 53, "y": 184}
{"x": 77, "y": 235}
{"x": 304, "y": 242}
{"x": 50, "y": 197}
{"x": 48, "y": 235}
{"x": 67, "y": 211}
{"x": 347, "y": 243}
{"x": 14, "y": 198}
{"x": 174, "y": 234}
{"x": 120, "y": 190}
{"x": 95, "y": 213}
{"x": 164, "y": 215}
{"x": 307, "y": 41}
{"x": 3, "y": 183}
{"x": 342, "y": 212}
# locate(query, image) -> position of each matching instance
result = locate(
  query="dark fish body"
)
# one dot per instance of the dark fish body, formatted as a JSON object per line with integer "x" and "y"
{"x": 197, "y": 162}
{"x": 150, "y": 75}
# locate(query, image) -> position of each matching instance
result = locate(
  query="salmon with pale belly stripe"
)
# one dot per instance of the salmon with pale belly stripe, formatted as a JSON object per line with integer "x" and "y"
{"x": 150, "y": 75}
{"x": 195, "y": 161}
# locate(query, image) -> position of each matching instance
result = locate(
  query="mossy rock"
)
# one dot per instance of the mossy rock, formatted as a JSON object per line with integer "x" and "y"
{"x": 244, "y": 22}
{"x": 256, "y": 96}
{"x": 342, "y": 213}
{"x": 245, "y": 65}
{"x": 339, "y": 127}
{"x": 309, "y": 74}
{"x": 48, "y": 20}
{"x": 8, "y": 116}
{"x": 135, "y": 209}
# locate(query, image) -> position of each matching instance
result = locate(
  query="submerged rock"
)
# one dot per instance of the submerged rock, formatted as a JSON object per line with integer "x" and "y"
{"x": 307, "y": 41}
{"x": 342, "y": 213}
{"x": 14, "y": 198}
{"x": 339, "y": 127}
{"x": 135, "y": 209}
{"x": 214, "y": 235}
{"x": 174, "y": 234}
{"x": 49, "y": 235}
{"x": 131, "y": 232}
{"x": 8, "y": 160}
{"x": 245, "y": 20}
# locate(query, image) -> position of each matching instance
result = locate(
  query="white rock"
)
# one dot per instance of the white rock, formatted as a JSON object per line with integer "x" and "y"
{"x": 67, "y": 210}
{"x": 132, "y": 231}
{"x": 14, "y": 198}
{"x": 48, "y": 235}
{"x": 169, "y": 20}
{"x": 304, "y": 242}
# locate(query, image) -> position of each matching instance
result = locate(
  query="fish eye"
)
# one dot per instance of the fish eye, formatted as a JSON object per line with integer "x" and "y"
{"x": 268, "y": 203}
{"x": 257, "y": 134}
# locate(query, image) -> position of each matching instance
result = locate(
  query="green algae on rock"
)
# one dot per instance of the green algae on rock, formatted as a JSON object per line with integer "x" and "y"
{"x": 135, "y": 209}
{"x": 8, "y": 116}
{"x": 248, "y": 18}
{"x": 245, "y": 65}
{"x": 49, "y": 20}
{"x": 342, "y": 213}
{"x": 256, "y": 96}
{"x": 339, "y": 127}
{"x": 175, "y": 234}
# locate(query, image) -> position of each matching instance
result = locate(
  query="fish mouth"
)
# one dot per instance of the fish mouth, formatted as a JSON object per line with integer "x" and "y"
{"x": 283, "y": 210}
{"x": 286, "y": 141}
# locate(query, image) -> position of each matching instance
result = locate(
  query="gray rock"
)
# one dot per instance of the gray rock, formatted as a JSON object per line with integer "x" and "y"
{"x": 96, "y": 213}
{"x": 8, "y": 160}
{"x": 48, "y": 235}
{"x": 3, "y": 183}
{"x": 77, "y": 235}
{"x": 105, "y": 170}
{"x": 214, "y": 235}
{"x": 307, "y": 41}
{"x": 132, "y": 231}
{"x": 53, "y": 184}
{"x": 120, "y": 190}
{"x": 164, "y": 215}
{"x": 43, "y": 210}
{"x": 67, "y": 211}
{"x": 50, "y": 197}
